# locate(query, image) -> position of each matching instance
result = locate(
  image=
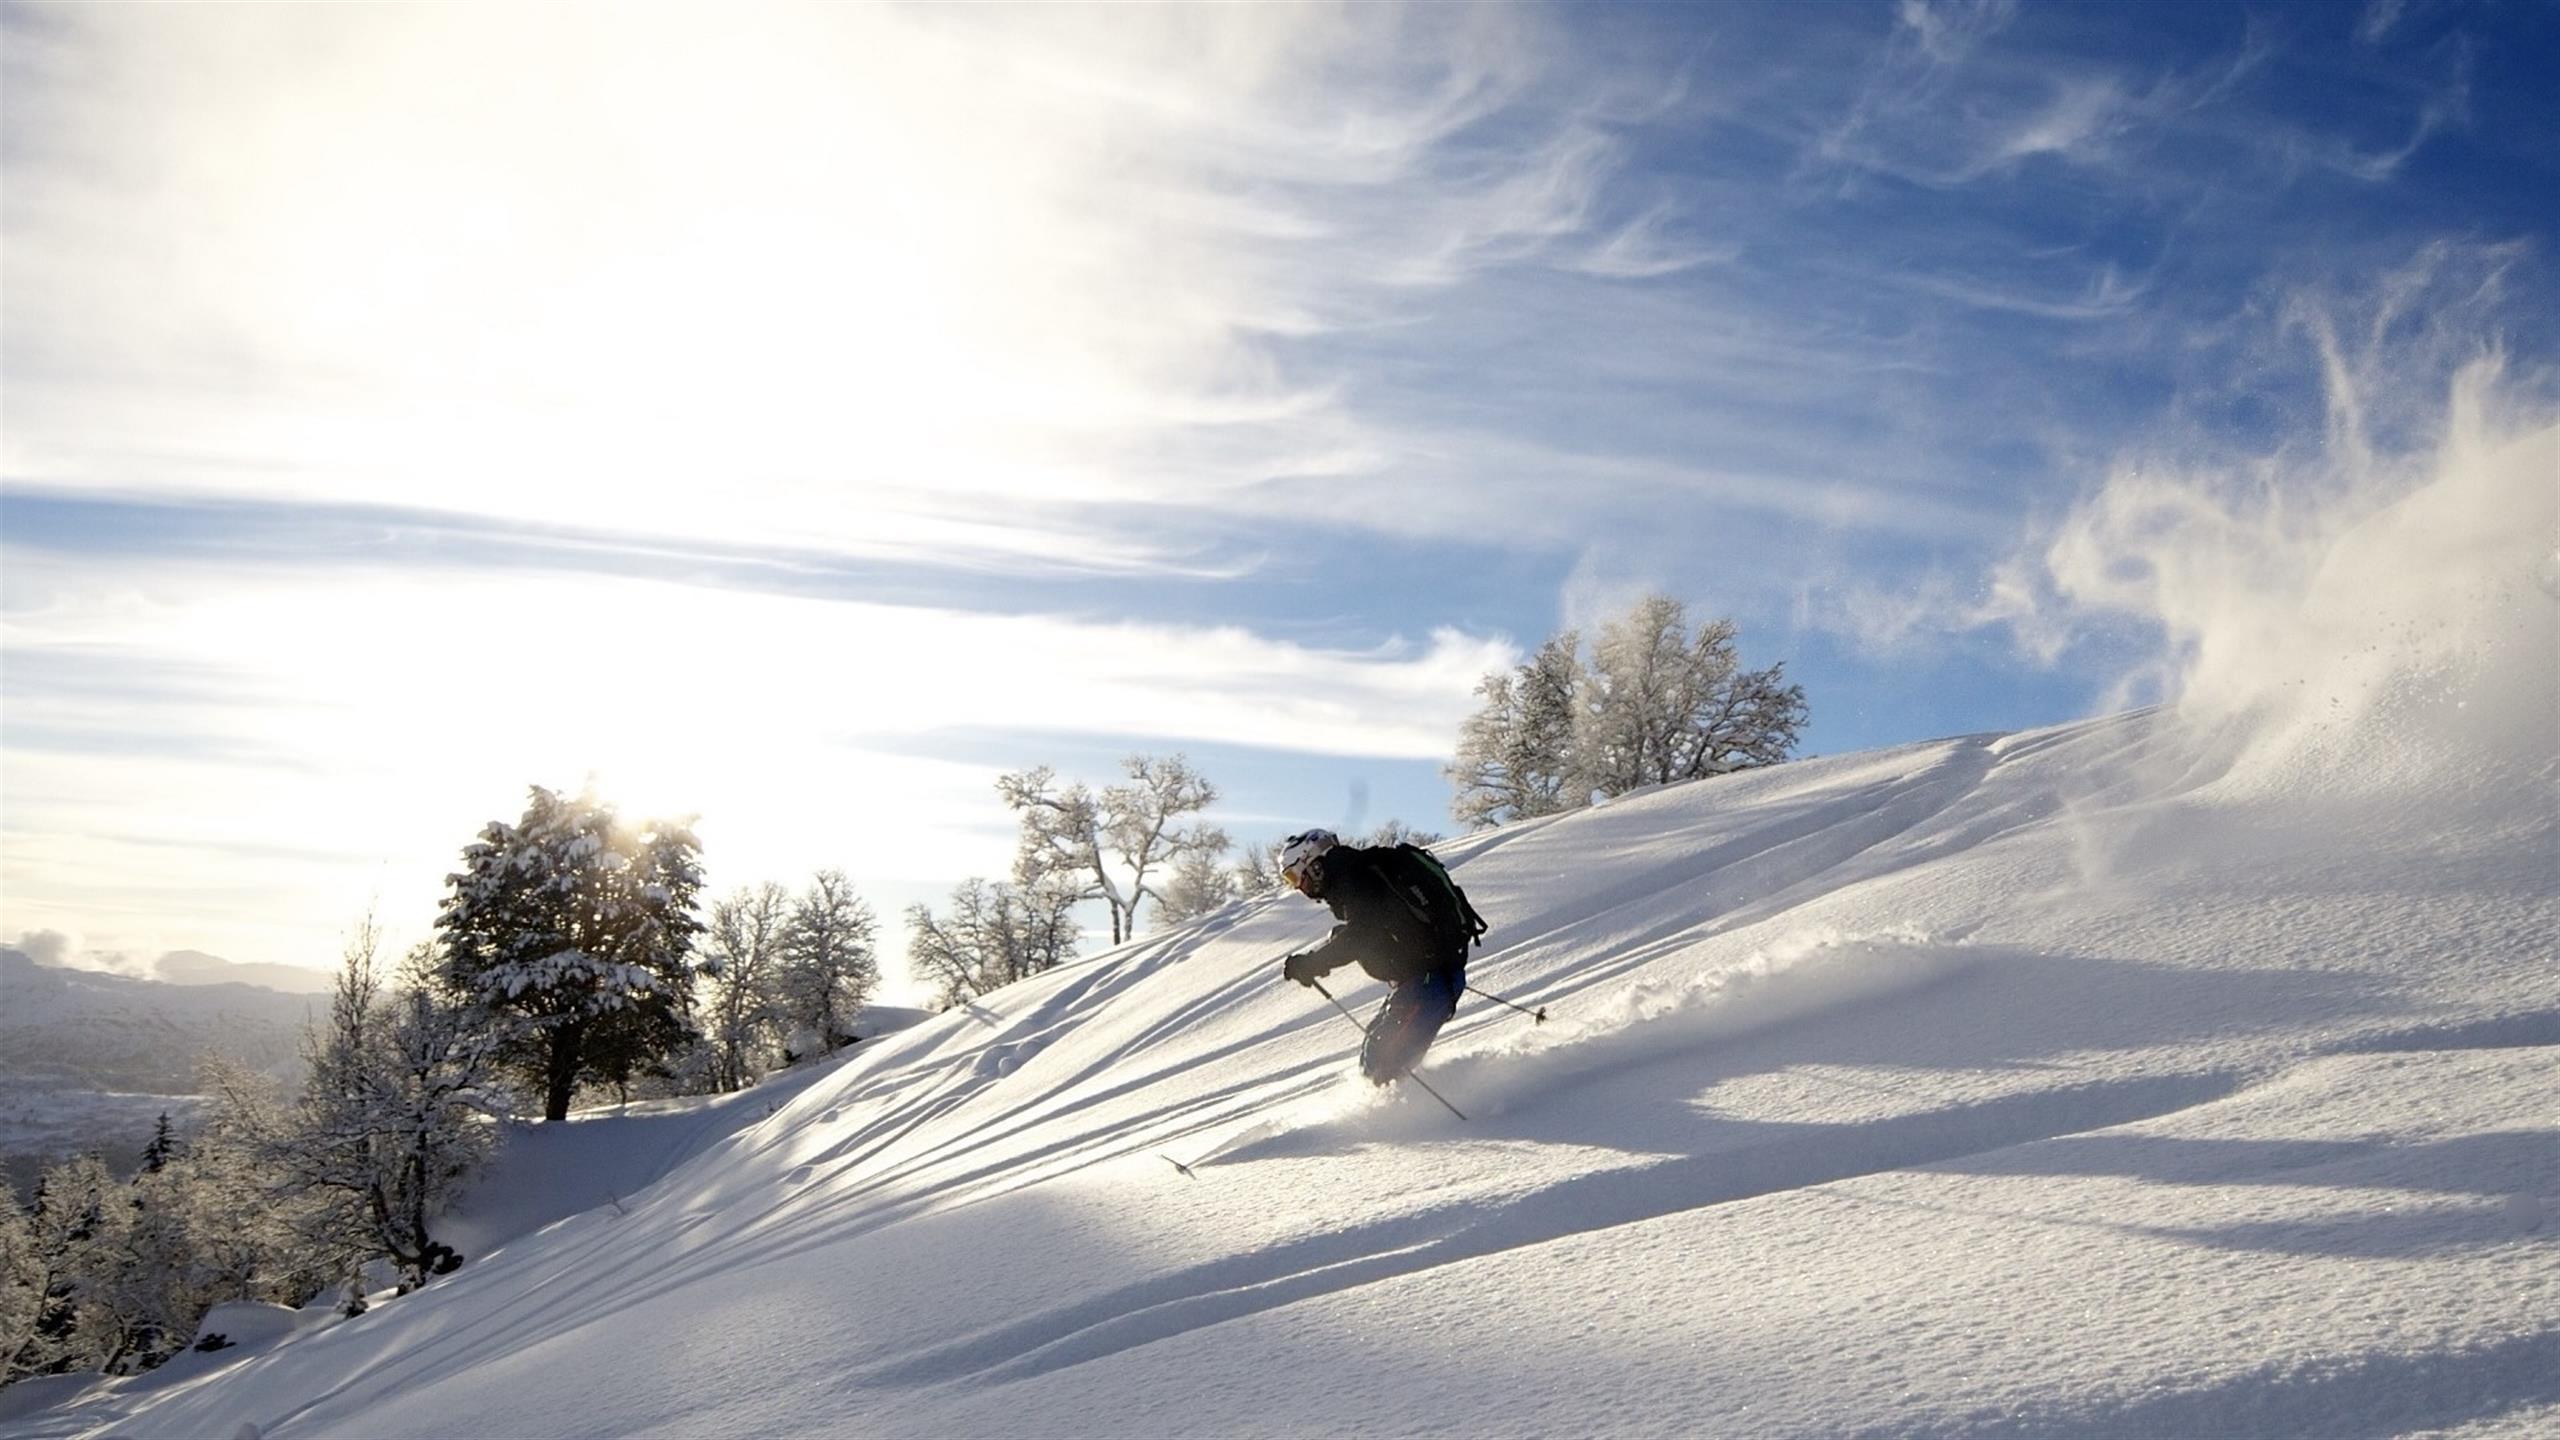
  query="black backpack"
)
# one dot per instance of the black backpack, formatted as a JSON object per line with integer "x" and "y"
{"x": 1419, "y": 880}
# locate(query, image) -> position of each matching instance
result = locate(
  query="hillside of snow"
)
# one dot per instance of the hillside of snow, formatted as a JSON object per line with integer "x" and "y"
{"x": 2189, "y": 1071}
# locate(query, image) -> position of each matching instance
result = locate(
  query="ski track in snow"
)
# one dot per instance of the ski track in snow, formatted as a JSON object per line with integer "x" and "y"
{"x": 1598, "y": 1201}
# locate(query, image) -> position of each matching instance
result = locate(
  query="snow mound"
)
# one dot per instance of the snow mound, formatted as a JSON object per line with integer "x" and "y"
{"x": 1798, "y": 976}
{"x": 1792, "y": 979}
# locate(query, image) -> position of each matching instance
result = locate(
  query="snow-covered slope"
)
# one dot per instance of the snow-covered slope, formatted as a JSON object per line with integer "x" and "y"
{"x": 2179, "y": 1072}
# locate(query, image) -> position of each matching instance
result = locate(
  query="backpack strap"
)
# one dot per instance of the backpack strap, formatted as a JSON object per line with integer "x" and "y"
{"x": 1470, "y": 923}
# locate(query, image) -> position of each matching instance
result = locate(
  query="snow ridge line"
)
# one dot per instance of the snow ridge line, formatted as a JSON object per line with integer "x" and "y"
{"x": 2533, "y": 1028}
{"x": 1249, "y": 1284}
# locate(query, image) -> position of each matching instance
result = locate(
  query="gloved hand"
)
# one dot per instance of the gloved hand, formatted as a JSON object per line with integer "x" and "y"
{"x": 1301, "y": 968}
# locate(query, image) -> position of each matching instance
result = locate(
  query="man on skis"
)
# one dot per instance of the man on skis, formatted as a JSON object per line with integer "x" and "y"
{"x": 1402, "y": 921}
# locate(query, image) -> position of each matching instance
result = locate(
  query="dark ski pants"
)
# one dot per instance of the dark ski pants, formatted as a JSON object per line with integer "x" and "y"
{"x": 1407, "y": 1024}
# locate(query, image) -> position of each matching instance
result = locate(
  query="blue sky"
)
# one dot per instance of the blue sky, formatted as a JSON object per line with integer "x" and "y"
{"x": 801, "y": 414}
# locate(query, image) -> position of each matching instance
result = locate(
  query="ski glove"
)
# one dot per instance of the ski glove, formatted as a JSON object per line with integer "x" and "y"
{"x": 1301, "y": 968}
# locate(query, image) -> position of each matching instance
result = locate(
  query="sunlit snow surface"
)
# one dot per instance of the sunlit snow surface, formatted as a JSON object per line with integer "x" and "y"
{"x": 2184, "y": 1072}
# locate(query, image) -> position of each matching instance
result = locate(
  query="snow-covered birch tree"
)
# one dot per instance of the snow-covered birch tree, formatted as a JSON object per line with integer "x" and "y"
{"x": 1061, "y": 840}
{"x": 1200, "y": 883}
{"x": 741, "y": 974}
{"x": 1632, "y": 710}
{"x": 1114, "y": 848}
{"x": 1652, "y": 704}
{"x": 1659, "y": 705}
{"x": 1142, "y": 822}
{"x": 828, "y": 965}
{"x": 392, "y": 1120}
{"x": 996, "y": 934}
{"x": 1258, "y": 872}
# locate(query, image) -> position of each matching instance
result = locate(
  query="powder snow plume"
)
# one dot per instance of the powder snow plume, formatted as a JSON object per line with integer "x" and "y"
{"x": 2420, "y": 646}
{"x": 2371, "y": 607}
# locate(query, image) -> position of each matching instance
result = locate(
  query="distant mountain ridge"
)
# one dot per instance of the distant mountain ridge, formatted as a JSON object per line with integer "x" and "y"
{"x": 195, "y": 967}
{"x": 89, "y": 1029}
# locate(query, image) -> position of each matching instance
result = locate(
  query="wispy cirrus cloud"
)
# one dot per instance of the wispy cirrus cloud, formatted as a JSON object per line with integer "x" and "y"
{"x": 1650, "y": 246}
{"x": 782, "y": 293}
{"x": 2378, "y": 19}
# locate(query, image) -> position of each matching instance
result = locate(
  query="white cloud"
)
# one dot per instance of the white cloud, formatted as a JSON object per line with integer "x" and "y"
{"x": 322, "y": 739}
{"x": 2104, "y": 295}
{"x": 46, "y": 947}
{"x": 2080, "y": 116}
{"x": 1650, "y": 246}
{"x": 1949, "y": 30}
{"x": 2377, "y": 20}
{"x": 862, "y": 278}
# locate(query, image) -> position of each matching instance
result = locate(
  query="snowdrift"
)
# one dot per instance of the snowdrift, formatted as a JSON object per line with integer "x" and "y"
{"x": 2187, "y": 1071}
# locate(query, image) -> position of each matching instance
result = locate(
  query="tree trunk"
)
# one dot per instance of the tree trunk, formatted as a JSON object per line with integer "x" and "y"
{"x": 562, "y": 1076}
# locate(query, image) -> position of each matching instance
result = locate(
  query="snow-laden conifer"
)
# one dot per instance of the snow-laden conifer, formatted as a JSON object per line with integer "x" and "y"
{"x": 23, "y": 1283}
{"x": 566, "y": 934}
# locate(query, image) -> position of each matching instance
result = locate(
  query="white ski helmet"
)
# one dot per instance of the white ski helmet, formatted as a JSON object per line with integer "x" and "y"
{"x": 1299, "y": 851}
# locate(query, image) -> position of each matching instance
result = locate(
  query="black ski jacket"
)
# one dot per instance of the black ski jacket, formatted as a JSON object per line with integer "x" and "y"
{"x": 1379, "y": 932}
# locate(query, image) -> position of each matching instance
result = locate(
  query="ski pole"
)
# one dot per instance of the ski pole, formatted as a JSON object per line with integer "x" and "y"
{"x": 1338, "y": 1005}
{"x": 1539, "y": 1015}
{"x": 1409, "y": 1075}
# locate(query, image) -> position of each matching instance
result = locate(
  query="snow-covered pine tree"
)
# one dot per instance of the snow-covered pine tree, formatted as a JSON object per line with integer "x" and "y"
{"x": 77, "y": 1234}
{"x": 163, "y": 1147}
{"x": 828, "y": 966}
{"x": 23, "y": 1283}
{"x": 565, "y": 935}
{"x": 157, "y": 1282}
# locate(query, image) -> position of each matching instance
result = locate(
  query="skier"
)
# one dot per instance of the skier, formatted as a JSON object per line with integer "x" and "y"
{"x": 1389, "y": 926}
